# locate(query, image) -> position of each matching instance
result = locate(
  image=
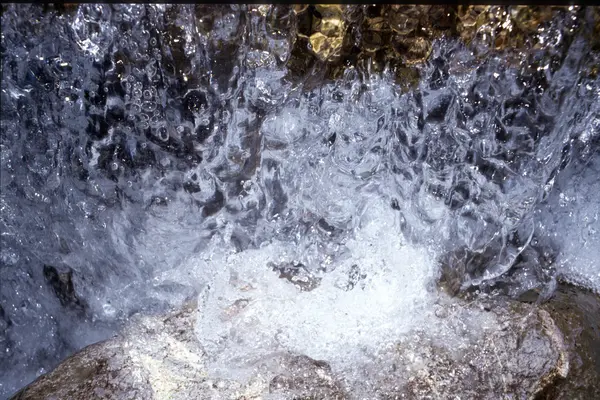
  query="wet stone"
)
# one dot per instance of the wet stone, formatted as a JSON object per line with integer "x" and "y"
{"x": 297, "y": 274}
{"x": 61, "y": 282}
{"x": 528, "y": 351}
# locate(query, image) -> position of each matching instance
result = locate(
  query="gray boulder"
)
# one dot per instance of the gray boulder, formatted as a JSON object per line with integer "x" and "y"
{"x": 493, "y": 348}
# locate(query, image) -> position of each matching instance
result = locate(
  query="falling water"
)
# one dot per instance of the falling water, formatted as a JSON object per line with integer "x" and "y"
{"x": 152, "y": 154}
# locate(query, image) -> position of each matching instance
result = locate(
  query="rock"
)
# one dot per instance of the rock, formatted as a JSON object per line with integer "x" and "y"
{"x": 412, "y": 50}
{"x": 518, "y": 358}
{"x": 296, "y": 274}
{"x": 61, "y": 282}
{"x": 305, "y": 378}
{"x": 491, "y": 348}
{"x": 155, "y": 357}
{"x": 4, "y": 321}
{"x": 326, "y": 47}
{"x": 576, "y": 313}
{"x": 401, "y": 36}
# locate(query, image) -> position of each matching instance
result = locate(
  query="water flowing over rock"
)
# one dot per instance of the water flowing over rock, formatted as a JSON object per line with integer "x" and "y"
{"x": 523, "y": 351}
{"x": 319, "y": 178}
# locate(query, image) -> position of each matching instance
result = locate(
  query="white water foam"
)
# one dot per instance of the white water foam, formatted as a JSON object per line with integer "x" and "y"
{"x": 247, "y": 312}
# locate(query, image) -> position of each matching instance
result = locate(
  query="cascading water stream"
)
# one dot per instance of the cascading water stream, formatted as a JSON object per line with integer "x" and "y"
{"x": 152, "y": 154}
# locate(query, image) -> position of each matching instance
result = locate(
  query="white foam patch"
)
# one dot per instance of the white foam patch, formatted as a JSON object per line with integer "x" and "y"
{"x": 247, "y": 312}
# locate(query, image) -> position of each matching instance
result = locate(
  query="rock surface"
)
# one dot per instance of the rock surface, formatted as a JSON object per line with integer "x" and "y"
{"x": 524, "y": 351}
{"x": 576, "y": 313}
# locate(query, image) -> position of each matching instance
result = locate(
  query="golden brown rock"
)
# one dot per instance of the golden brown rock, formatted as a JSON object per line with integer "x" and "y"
{"x": 300, "y": 8}
{"x": 406, "y": 77}
{"x": 377, "y": 24}
{"x": 469, "y": 19}
{"x": 528, "y": 19}
{"x": 327, "y": 31}
{"x": 331, "y": 27}
{"x": 374, "y": 41}
{"x": 402, "y": 23}
{"x": 326, "y": 48}
{"x": 402, "y": 35}
{"x": 330, "y": 10}
{"x": 596, "y": 28}
{"x": 412, "y": 50}
{"x": 375, "y": 31}
{"x": 441, "y": 18}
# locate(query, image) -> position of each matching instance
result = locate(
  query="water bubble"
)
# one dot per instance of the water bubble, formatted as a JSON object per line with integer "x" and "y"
{"x": 156, "y": 119}
{"x": 149, "y": 106}
{"x": 162, "y": 133}
{"x": 151, "y": 71}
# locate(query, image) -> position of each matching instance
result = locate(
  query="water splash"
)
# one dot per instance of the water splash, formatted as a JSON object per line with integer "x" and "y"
{"x": 133, "y": 134}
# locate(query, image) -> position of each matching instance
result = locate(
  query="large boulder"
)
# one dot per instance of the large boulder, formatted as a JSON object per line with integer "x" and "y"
{"x": 492, "y": 348}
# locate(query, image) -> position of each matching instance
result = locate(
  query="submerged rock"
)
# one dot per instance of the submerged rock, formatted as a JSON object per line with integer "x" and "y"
{"x": 61, "y": 282}
{"x": 576, "y": 313}
{"x": 401, "y": 36}
{"x": 492, "y": 348}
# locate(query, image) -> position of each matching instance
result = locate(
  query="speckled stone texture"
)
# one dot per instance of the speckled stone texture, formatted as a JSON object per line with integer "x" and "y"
{"x": 527, "y": 351}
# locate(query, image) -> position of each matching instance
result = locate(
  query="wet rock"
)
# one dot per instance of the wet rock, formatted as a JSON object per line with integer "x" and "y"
{"x": 594, "y": 16}
{"x": 61, "y": 282}
{"x": 519, "y": 356}
{"x": 401, "y": 36}
{"x": 458, "y": 268}
{"x": 297, "y": 274}
{"x": 153, "y": 358}
{"x": 576, "y": 313}
{"x": 305, "y": 378}
{"x": 462, "y": 269}
{"x": 4, "y": 321}
{"x": 510, "y": 349}
{"x": 413, "y": 50}
{"x": 470, "y": 18}
{"x": 326, "y": 47}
